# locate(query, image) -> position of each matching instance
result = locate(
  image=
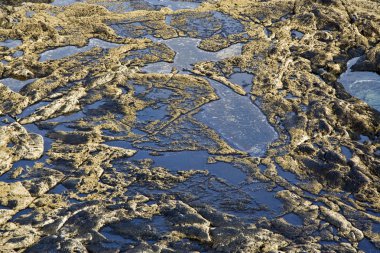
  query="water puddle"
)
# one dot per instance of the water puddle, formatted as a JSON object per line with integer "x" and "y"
{"x": 206, "y": 24}
{"x": 361, "y": 84}
{"x": 5, "y": 208}
{"x": 118, "y": 7}
{"x": 31, "y": 109}
{"x": 64, "y": 2}
{"x": 175, "y": 5}
{"x": 293, "y": 219}
{"x": 114, "y": 239}
{"x": 290, "y": 96}
{"x": 376, "y": 227}
{"x": 290, "y": 177}
{"x": 234, "y": 117}
{"x": 59, "y": 189}
{"x": 346, "y": 152}
{"x": 143, "y": 5}
{"x": 186, "y": 160}
{"x": 14, "y": 84}
{"x": 62, "y": 52}
{"x": 17, "y": 54}
{"x": 238, "y": 121}
{"x": 132, "y": 231}
{"x": 243, "y": 79}
{"x": 10, "y": 43}
{"x": 67, "y": 118}
{"x": 131, "y": 30}
{"x": 267, "y": 200}
{"x": 296, "y": 34}
{"x": 126, "y": 6}
{"x": 168, "y": 19}
{"x": 363, "y": 139}
{"x": 150, "y": 114}
{"x": 367, "y": 246}
{"x": 188, "y": 53}
{"x": 22, "y": 214}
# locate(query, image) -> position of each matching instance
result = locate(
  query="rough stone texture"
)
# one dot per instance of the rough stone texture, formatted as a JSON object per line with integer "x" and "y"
{"x": 370, "y": 61}
{"x": 16, "y": 144}
{"x": 64, "y": 186}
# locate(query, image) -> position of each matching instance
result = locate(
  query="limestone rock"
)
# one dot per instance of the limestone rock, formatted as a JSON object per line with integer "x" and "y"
{"x": 66, "y": 104}
{"x": 16, "y": 144}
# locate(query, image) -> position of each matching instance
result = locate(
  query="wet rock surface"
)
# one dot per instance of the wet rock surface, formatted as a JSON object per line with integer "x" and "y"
{"x": 189, "y": 126}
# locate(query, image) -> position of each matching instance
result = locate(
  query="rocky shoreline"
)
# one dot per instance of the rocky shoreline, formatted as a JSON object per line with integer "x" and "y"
{"x": 66, "y": 188}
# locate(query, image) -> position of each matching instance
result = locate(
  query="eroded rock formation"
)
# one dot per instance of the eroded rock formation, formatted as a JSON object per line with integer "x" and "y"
{"x": 81, "y": 144}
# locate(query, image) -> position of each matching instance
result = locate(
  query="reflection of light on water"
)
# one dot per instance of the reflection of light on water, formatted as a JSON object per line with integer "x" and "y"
{"x": 115, "y": 6}
{"x": 187, "y": 160}
{"x": 362, "y": 84}
{"x": 231, "y": 51}
{"x": 188, "y": 53}
{"x": 62, "y": 52}
{"x": 174, "y": 5}
{"x": 14, "y": 84}
{"x": 64, "y": 2}
{"x": 238, "y": 121}
{"x": 10, "y": 43}
{"x": 234, "y": 117}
